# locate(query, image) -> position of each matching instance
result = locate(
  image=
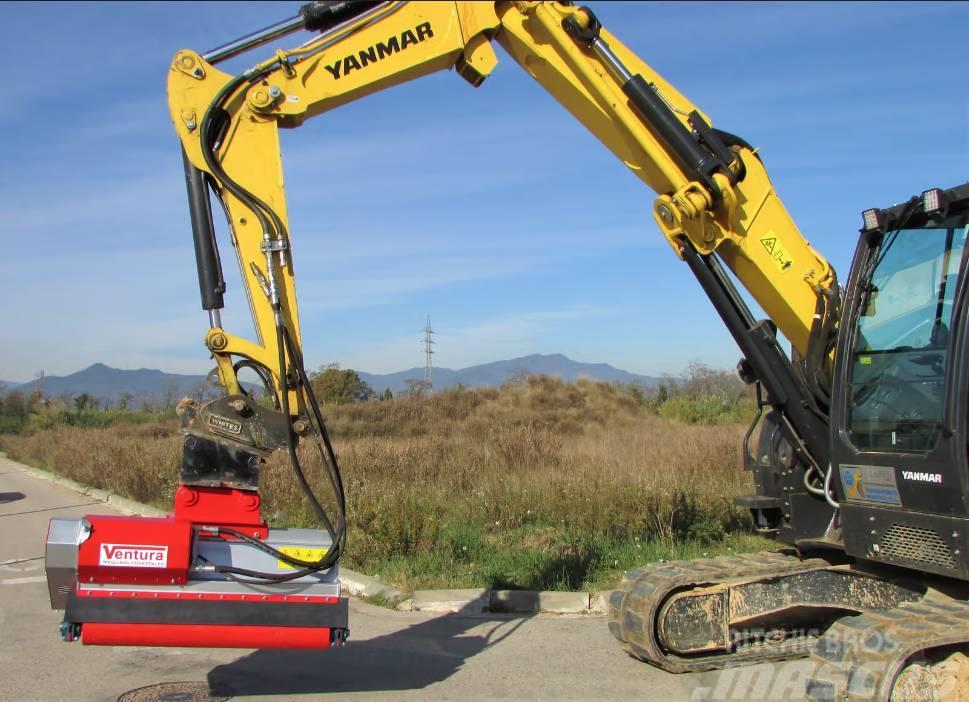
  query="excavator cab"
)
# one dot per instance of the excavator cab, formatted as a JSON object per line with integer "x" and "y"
{"x": 891, "y": 487}
{"x": 898, "y": 415}
{"x": 872, "y": 518}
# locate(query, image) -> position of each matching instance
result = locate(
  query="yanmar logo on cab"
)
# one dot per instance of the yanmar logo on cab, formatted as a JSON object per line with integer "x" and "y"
{"x": 134, "y": 556}
{"x": 922, "y": 477}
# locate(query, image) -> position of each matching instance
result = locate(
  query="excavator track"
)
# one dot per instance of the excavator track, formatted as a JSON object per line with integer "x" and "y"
{"x": 860, "y": 658}
{"x": 635, "y": 606}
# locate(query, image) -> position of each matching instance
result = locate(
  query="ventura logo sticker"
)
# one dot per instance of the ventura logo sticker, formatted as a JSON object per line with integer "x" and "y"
{"x": 132, "y": 556}
{"x": 923, "y": 477}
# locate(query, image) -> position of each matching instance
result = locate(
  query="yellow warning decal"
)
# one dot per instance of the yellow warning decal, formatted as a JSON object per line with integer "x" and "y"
{"x": 864, "y": 360}
{"x": 777, "y": 254}
{"x": 303, "y": 553}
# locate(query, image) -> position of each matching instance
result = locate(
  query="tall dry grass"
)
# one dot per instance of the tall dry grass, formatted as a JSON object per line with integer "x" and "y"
{"x": 569, "y": 471}
{"x": 140, "y": 461}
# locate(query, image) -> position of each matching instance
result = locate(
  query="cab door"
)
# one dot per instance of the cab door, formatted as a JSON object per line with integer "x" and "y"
{"x": 899, "y": 413}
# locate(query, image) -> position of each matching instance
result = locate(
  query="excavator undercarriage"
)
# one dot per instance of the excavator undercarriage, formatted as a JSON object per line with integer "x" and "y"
{"x": 867, "y": 632}
{"x": 714, "y": 613}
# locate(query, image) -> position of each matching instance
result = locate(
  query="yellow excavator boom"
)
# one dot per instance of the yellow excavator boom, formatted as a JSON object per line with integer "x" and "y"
{"x": 713, "y": 192}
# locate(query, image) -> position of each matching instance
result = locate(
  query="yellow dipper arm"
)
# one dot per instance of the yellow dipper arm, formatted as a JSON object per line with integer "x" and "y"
{"x": 713, "y": 191}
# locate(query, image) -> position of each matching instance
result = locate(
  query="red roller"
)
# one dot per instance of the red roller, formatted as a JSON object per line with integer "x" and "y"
{"x": 203, "y": 636}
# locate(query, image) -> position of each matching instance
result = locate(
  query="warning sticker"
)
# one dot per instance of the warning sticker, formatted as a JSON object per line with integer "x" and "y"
{"x": 303, "y": 553}
{"x": 870, "y": 484}
{"x": 777, "y": 253}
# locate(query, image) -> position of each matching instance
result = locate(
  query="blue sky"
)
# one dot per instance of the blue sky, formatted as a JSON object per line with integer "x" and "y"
{"x": 489, "y": 209}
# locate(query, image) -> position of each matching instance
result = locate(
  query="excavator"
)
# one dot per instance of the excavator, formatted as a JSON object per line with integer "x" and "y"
{"x": 858, "y": 452}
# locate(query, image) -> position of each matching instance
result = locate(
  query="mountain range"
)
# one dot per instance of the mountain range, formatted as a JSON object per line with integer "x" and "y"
{"x": 106, "y": 383}
{"x": 498, "y": 372}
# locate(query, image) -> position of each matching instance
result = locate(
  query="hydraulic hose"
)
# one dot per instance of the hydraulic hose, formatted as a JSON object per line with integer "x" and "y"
{"x": 288, "y": 355}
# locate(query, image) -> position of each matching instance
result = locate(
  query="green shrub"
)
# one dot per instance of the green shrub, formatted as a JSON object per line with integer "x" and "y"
{"x": 708, "y": 410}
{"x": 12, "y": 424}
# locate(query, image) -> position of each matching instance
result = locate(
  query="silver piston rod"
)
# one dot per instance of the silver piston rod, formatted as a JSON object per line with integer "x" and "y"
{"x": 319, "y": 16}
{"x": 251, "y": 41}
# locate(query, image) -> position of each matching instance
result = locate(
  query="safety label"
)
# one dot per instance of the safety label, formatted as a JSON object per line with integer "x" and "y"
{"x": 777, "y": 253}
{"x": 303, "y": 553}
{"x": 870, "y": 484}
{"x": 133, "y": 556}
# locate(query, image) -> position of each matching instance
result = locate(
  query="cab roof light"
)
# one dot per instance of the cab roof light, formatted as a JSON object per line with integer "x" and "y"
{"x": 874, "y": 220}
{"x": 933, "y": 201}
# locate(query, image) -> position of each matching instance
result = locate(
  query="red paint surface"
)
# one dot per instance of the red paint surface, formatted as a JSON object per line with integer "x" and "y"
{"x": 195, "y": 506}
{"x": 203, "y": 636}
{"x": 135, "y": 531}
{"x": 205, "y": 597}
{"x": 227, "y": 507}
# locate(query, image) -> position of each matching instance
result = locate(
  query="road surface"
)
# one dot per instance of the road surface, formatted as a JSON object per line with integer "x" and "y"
{"x": 391, "y": 655}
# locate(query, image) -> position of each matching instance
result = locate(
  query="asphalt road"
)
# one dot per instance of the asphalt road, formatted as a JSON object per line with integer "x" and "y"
{"x": 391, "y": 655}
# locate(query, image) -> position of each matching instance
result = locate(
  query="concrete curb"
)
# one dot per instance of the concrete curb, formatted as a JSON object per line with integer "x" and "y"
{"x": 472, "y": 601}
{"x": 126, "y": 505}
{"x": 120, "y": 503}
{"x": 360, "y": 585}
{"x": 478, "y": 601}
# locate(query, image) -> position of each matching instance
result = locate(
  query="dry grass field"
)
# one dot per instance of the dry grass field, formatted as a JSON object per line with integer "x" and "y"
{"x": 539, "y": 485}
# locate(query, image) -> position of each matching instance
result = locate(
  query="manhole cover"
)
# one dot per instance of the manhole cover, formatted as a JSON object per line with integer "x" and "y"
{"x": 172, "y": 692}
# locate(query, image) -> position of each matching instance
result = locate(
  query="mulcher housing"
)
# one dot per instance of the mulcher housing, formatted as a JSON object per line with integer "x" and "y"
{"x": 145, "y": 581}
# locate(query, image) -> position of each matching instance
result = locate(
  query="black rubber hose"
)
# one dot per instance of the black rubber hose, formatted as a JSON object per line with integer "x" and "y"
{"x": 290, "y": 439}
{"x": 250, "y": 200}
{"x": 336, "y": 538}
{"x": 817, "y": 342}
{"x": 263, "y": 546}
{"x": 266, "y": 577}
{"x": 329, "y": 457}
{"x": 828, "y": 337}
{"x": 284, "y": 344}
{"x": 264, "y": 376}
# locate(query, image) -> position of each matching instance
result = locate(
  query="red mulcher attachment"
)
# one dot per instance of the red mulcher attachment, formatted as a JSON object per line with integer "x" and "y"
{"x": 142, "y": 581}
